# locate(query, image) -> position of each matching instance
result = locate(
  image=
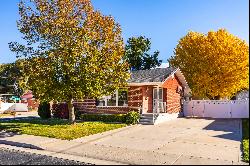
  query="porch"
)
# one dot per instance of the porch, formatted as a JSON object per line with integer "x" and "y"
{"x": 148, "y": 99}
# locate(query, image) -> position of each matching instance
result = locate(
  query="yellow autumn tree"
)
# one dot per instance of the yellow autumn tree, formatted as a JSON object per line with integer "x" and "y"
{"x": 215, "y": 64}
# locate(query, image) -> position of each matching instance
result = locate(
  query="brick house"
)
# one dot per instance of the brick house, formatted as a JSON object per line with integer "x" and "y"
{"x": 30, "y": 100}
{"x": 155, "y": 91}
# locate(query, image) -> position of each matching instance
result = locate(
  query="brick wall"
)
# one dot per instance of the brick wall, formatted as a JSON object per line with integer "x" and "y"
{"x": 135, "y": 97}
{"x": 134, "y": 101}
{"x": 86, "y": 105}
{"x": 112, "y": 110}
{"x": 171, "y": 96}
{"x": 89, "y": 106}
{"x": 32, "y": 103}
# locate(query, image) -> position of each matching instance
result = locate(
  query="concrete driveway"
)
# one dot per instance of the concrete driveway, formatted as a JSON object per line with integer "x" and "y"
{"x": 180, "y": 141}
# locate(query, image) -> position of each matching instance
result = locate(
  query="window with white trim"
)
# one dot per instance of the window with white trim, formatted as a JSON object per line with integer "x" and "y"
{"x": 118, "y": 99}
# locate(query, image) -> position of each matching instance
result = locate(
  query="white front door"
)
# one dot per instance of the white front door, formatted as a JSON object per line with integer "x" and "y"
{"x": 157, "y": 100}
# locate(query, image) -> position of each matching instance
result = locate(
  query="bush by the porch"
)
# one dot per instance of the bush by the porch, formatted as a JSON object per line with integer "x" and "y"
{"x": 132, "y": 117}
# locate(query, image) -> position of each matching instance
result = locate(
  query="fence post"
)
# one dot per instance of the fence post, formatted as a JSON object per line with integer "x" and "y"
{"x": 192, "y": 109}
{"x": 203, "y": 110}
{"x": 231, "y": 109}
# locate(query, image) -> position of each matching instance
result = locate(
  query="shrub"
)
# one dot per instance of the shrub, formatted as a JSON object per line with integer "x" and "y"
{"x": 246, "y": 150}
{"x": 132, "y": 117}
{"x": 8, "y": 112}
{"x": 11, "y": 112}
{"x": 104, "y": 118}
{"x": 60, "y": 111}
{"x": 245, "y": 141}
{"x": 30, "y": 108}
{"x": 129, "y": 118}
{"x": 44, "y": 110}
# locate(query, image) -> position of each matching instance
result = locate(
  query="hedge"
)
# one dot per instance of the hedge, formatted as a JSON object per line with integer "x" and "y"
{"x": 129, "y": 118}
{"x": 104, "y": 118}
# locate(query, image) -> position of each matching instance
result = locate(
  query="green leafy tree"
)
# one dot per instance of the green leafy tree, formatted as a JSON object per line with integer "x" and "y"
{"x": 10, "y": 76}
{"x": 137, "y": 55}
{"x": 73, "y": 52}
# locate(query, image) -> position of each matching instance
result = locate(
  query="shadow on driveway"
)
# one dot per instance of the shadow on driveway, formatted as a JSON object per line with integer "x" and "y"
{"x": 232, "y": 126}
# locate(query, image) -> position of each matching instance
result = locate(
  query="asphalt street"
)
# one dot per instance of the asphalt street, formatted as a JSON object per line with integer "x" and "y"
{"x": 14, "y": 157}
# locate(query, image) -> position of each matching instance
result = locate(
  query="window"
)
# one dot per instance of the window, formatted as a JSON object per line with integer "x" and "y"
{"x": 101, "y": 102}
{"x": 160, "y": 93}
{"x": 119, "y": 98}
{"x": 111, "y": 100}
{"x": 123, "y": 97}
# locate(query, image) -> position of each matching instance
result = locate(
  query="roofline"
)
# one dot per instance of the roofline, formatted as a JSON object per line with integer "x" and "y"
{"x": 145, "y": 83}
{"x": 150, "y": 83}
{"x": 170, "y": 75}
{"x": 183, "y": 81}
{"x": 186, "y": 86}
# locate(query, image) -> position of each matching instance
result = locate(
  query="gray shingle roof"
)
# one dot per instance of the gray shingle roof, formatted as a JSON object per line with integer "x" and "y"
{"x": 152, "y": 75}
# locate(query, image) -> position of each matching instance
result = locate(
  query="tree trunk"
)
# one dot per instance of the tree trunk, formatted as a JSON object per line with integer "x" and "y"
{"x": 71, "y": 111}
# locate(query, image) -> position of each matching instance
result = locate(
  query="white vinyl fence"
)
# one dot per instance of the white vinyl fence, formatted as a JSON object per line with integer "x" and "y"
{"x": 18, "y": 107}
{"x": 216, "y": 108}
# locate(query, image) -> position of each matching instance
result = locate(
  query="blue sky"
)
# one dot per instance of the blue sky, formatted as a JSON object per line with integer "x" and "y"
{"x": 164, "y": 21}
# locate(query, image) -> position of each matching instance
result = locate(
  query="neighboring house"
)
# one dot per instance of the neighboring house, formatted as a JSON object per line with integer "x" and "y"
{"x": 30, "y": 100}
{"x": 159, "y": 90}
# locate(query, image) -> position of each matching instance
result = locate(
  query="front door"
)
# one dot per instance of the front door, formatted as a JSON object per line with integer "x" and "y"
{"x": 157, "y": 100}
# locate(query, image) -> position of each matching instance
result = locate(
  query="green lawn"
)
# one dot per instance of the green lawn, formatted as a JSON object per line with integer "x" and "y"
{"x": 56, "y": 128}
{"x": 245, "y": 127}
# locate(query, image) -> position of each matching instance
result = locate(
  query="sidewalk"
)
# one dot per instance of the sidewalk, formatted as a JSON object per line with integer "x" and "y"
{"x": 72, "y": 150}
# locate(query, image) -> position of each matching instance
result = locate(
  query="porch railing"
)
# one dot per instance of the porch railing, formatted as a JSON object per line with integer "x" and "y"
{"x": 159, "y": 107}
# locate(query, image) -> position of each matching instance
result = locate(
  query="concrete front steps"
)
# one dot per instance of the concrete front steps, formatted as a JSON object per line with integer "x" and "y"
{"x": 147, "y": 119}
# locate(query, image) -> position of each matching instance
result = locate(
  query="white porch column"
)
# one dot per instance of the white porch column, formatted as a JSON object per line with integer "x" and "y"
{"x": 157, "y": 103}
{"x": 117, "y": 97}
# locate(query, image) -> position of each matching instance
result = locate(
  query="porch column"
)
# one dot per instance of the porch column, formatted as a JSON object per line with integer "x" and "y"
{"x": 117, "y": 97}
{"x": 157, "y": 103}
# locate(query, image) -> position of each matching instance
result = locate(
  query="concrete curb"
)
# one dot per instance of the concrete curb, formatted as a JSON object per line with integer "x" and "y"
{"x": 62, "y": 156}
{"x": 241, "y": 162}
